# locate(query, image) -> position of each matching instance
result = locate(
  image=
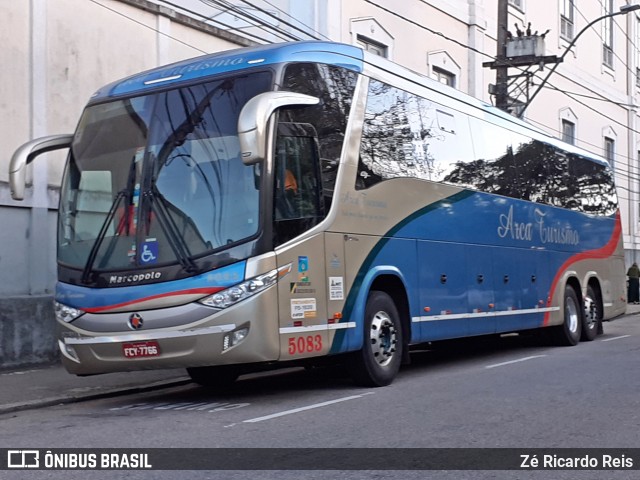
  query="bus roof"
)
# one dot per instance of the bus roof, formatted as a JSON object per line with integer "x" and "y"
{"x": 332, "y": 53}
{"x": 339, "y": 54}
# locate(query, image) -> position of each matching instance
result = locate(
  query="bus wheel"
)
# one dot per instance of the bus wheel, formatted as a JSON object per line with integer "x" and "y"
{"x": 219, "y": 378}
{"x": 569, "y": 332}
{"x": 378, "y": 362}
{"x": 592, "y": 315}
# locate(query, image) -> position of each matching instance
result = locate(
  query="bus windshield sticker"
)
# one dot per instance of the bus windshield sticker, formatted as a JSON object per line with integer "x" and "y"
{"x": 149, "y": 254}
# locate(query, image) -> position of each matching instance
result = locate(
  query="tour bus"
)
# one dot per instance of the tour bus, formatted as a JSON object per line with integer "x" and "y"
{"x": 292, "y": 203}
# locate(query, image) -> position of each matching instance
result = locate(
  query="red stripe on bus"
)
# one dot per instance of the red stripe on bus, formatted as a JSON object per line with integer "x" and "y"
{"x": 602, "y": 252}
{"x": 193, "y": 291}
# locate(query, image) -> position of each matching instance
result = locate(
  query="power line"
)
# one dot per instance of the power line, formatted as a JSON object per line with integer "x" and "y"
{"x": 266, "y": 12}
{"x": 205, "y": 19}
{"x": 600, "y": 97}
{"x": 225, "y": 6}
{"x": 435, "y": 32}
{"x": 299, "y": 21}
{"x": 148, "y": 27}
{"x": 613, "y": 51}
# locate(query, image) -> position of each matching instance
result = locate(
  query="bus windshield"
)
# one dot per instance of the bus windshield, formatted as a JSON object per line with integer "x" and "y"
{"x": 158, "y": 179}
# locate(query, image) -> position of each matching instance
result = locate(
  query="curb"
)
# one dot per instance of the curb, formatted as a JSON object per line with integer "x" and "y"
{"x": 113, "y": 392}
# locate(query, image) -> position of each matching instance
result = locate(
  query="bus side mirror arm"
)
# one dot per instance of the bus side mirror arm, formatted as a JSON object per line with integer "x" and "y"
{"x": 252, "y": 122}
{"x": 26, "y": 153}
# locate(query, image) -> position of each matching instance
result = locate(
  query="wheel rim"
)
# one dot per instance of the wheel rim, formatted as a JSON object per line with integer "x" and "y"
{"x": 383, "y": 338}
{"x": 590, "y": 312}
{"x": 571, "y": 314}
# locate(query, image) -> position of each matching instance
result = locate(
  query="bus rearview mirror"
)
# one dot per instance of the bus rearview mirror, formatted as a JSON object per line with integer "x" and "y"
{"x": 26, "y": 153}
{"x": 252, "y": 122}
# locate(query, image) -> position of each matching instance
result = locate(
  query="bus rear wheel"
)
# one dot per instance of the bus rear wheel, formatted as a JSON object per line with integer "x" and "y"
{"x": 592, "y": 319}
{"x": 219, "y": 378}
{"x": 378, "y": 362}
{"x": 568, "y": 334}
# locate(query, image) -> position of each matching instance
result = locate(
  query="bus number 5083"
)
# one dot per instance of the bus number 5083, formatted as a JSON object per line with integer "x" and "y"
{"x": 308, "y": 344}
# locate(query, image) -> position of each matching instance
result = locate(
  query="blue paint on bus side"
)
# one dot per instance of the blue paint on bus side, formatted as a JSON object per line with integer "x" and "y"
{"x": 355, "y": 302}
{"x": 103, "y": 299}
{"x": 474, "y": 254}
{"x": 347, "y": 56}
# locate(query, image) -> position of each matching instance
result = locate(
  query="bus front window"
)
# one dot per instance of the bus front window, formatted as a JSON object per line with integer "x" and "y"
{"x": 158, "y": 179}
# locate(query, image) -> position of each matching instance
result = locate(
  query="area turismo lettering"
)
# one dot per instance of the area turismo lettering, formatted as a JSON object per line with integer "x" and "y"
{"x": 204, "y": 65}
{"x": 525, "y": 231}
{"x": 193, "y": 67}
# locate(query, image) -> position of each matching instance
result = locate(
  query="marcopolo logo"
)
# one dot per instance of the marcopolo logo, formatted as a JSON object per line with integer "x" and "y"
{"x": 135, "y": 321}
{"x": 137, "y": 277}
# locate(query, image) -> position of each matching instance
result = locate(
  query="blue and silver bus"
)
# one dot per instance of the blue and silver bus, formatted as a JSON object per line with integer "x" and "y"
{"x": 285, "y": 203}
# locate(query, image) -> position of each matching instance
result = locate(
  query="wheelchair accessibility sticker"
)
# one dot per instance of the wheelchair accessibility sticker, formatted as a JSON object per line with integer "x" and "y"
{"x": 149, "y": 253}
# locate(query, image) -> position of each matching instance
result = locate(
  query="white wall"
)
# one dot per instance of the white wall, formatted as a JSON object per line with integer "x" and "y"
{"x": 55, "y": 55}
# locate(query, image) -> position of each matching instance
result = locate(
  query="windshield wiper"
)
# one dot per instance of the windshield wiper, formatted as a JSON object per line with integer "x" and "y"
{"x": 126, "y": 192}
{"x": 156, "y": 203}
{"x": 93, "y": 253}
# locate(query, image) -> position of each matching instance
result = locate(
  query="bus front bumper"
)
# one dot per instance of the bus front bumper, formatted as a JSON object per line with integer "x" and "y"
{"x": 243, "y": 333}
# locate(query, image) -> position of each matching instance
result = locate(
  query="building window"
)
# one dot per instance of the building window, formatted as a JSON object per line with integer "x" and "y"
{"x": 369, "y": 45}
{"x": 566, "y": 19}
{"x": 568, "y": 132}
{"x": 519, "y": 4}
{"x": 443, "y": 76}
{"x": 607, "y": 34}
{"x": 609, "y": 150}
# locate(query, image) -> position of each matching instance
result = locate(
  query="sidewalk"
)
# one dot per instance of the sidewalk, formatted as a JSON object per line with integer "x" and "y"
{"x": 52, "y": 385}
{"x": 633, "y": 309}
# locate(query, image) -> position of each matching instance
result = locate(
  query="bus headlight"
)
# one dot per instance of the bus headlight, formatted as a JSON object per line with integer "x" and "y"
{"x": 65, "y": 313}
{"x": 246, "y": 289}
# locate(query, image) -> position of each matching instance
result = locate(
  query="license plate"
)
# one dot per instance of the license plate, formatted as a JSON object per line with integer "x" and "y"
{"x": 141, "y": 349}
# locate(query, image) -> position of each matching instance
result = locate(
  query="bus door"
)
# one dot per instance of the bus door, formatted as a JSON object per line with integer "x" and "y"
{"x": 479, "y": 284}
{"x": 297, "y": 209}
{"x": 302, "y": 294}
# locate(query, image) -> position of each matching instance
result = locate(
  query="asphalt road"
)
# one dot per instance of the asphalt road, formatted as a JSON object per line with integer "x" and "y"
{"x": 514, "y": 392}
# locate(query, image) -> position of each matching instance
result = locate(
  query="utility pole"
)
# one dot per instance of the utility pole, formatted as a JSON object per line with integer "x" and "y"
{"x": 523, "y": 51}
{"x": 502, "y": 70}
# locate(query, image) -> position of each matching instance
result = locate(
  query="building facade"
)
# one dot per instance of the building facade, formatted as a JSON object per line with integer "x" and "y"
{"x": 56, "y": 53}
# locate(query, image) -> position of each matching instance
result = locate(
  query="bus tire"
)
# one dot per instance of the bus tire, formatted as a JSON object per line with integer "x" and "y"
{"x": 568, "y": 334}
{"x": 378, "y": 362}
{"x": 592, "y": 318}
{"x": 219, "y": 377}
